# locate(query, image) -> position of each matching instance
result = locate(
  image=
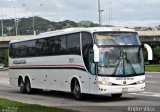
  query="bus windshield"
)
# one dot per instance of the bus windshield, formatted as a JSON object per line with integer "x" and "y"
{"x": 120, "y": 54}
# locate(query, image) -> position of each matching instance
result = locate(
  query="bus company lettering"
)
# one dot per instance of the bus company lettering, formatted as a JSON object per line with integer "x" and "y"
{"x": 125, "y": 78}
{"x": 19, "y": 62}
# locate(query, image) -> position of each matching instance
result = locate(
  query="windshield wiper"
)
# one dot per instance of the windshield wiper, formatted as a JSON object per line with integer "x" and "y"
{"x": 122, "y": 59}
{"x": 127, "y": 60}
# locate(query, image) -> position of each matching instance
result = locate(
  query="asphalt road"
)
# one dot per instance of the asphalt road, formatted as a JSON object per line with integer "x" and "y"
{"x": 139, "y": 102}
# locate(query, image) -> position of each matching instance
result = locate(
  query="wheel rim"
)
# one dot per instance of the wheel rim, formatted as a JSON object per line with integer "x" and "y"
{"x": 21, "y": 86}
{"x": 77, "y": 90}
{"x": 28, "y": 87}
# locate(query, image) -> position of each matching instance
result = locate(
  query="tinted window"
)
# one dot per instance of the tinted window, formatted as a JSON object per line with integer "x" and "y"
{"x": 73, "y": 43}
{"x": 22, "y": 52}
{"x": 40, "y": 47}
{"x": 11, "y": 50}
{"x": 31, "y": 48}
{"x": 63, "y": 49}
{"x": 87, "y": 45}
{"x": 58, "y": 45}
{"x": 86, "y": 40}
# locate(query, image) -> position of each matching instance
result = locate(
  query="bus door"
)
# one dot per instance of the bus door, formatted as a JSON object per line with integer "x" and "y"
{"x": 92, "y": 77}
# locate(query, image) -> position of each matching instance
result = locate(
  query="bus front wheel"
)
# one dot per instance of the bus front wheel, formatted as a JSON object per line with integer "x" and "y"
{"x": 116, "y": 95}
{"x": 77, "y": 90}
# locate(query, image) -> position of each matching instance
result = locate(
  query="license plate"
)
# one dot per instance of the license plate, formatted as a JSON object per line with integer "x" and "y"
{"x": 124, "y": 90}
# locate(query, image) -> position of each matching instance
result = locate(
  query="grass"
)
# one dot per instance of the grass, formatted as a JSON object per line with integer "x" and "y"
{"x": 13, "y": 106}
{"x": 152, "y": 68}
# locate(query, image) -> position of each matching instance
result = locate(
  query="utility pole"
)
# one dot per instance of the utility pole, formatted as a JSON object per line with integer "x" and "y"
{"x": 15, "y": 20}
{"x": 34, "y": 32}
{"x": 16, "y": 25}
{"x": 33, "y": 16}
{"x": 1, "y": 22}
{"x": 100, "y": 13}
{"x": 33, "y": 21}
{"x": 110, "y": 12}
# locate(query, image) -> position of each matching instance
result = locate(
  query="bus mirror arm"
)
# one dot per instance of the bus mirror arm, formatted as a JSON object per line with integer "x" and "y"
{"x": 149, "y": 51}
{"x": 96, "y": 69}
{"x": 96, "y": 58}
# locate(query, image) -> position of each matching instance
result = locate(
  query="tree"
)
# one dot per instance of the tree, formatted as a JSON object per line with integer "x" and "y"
{"x": 4, "y": 57}
{"x": 156, "y": 53}
{"x": 145, "y": 55}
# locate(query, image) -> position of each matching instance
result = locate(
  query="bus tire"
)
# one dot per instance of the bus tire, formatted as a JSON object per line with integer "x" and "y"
{"x": 77, "y": 90}
{"x": 116, "y": 95}
{"x": 22, "y": 86}
{"x": 28, "y": 86}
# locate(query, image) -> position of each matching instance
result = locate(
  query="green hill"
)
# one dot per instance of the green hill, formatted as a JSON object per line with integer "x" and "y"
{"x": 25, "y": 25}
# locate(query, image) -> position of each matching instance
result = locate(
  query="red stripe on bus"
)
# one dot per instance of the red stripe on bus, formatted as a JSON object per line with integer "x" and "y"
{"x": 69, "y": 65}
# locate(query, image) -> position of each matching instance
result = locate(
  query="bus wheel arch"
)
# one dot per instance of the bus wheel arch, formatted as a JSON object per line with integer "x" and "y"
{"x": 76, "y": 88}
{"x": 21, "y": 84}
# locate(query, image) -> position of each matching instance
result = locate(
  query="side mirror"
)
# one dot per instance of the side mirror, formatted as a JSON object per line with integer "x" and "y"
{"x": 96, "y": 53}
{"x": 150, "y": 52}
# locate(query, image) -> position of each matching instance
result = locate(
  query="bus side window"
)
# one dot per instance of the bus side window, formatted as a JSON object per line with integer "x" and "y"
{"x": 87, "y": 46}
{"x": 11, "y": 50}
{"x": 73, "y": 44}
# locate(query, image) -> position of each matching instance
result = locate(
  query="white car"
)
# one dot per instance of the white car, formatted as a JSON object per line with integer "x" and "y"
{"x": 1, "y": 66}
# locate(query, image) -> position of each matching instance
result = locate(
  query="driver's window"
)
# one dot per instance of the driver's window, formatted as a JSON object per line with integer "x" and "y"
{"x": 87, "y": 46}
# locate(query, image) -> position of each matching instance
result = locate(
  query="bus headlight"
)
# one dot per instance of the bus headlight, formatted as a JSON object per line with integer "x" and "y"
{"x": 102, "y": 82}
{"x": 141, "y": 82}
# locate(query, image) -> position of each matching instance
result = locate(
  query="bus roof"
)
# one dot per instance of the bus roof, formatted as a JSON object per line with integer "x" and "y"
{"x": 75, "y": 30}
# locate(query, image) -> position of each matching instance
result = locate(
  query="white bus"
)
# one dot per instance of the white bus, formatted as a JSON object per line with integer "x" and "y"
{"x": 100, "y": 60}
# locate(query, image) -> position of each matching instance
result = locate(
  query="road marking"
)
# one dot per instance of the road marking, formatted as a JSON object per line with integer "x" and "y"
{"x": 152, "y": 72}
{"x": 147, "y": 94}
{"x": 149, "y": 76}
{"x": 153, "y": 76}
{"x": 154, "y": 82}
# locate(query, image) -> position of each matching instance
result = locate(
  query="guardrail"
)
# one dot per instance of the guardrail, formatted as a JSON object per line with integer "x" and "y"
{"x": 149, "y": 33}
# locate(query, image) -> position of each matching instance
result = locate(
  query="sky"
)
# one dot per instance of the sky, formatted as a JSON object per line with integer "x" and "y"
{"x": 125, "y": 13}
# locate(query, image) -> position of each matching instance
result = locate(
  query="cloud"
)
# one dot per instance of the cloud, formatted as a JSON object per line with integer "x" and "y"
{"x": 124, "y": 11}
{"x": 134, "y": 23}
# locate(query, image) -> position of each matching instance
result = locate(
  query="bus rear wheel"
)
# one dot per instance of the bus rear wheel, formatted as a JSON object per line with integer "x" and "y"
{"x": 28, "y": 86}
{"x": 22, "y": 86}
{"x": 116, "y": 95}
{"x": 77, "y": 90}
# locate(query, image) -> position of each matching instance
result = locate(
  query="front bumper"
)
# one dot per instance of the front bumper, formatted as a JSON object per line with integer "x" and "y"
{"x": 121, "y": 89}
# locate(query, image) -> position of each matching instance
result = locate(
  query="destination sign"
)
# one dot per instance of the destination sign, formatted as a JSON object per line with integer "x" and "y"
{"x": 103, "y": 36}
